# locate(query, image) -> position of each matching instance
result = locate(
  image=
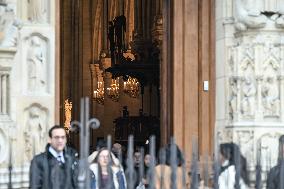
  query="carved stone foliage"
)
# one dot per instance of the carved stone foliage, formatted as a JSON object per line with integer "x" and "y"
{"x": 37, "y": 65}
{"x": 38, "y": 11}
{"x": 36, "y": 118}
{"x": 3, "y": 147}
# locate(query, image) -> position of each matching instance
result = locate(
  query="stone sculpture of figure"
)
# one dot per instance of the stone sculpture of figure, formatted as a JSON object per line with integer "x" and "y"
{"x": 233, "y": 97}
{"x": 37, "y": 11}
{"x": 36, "y": 66}
{"x": 270, "y": 95}
{"x": 248, "y": 15}
{"x": 9, "y": 27}
{"x": 35, "y": 131}
{"x": 248, "y": 101}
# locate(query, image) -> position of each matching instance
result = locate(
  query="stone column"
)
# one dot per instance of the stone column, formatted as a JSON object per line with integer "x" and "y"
{"x": 4, "y": 80}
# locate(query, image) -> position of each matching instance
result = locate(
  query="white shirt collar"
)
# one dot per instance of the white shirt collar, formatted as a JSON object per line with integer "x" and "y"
{"x": 56, "y": 154}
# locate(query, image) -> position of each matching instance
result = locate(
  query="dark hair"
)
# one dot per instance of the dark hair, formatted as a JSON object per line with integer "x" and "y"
{"x": 280, "y": 148}
{"x": 53, "y": 128}
{"x": 232, "y": 153}
{"x": 166, "y": 152}
{"x": 226, "y": 150}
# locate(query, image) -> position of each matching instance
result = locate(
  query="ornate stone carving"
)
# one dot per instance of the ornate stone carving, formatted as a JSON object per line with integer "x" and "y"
{"x": 270, "y": 95}
{"x": 270, "y": 88}
{"x": 233, "y": 97}
{"x": 248, "y": 99}
{"x": 38, "y": 11}
{"x": 248, "y": 15}
{"x": 35, "y": 132}
{"x": 8, "y": 27}
{"x": 268, "y": 147}
{"x": 37, "y": 65}
{"x": 245, "y": 140}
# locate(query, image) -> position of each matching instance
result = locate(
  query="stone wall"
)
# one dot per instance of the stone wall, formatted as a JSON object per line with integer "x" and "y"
{"x": 249, "y": 78}
{"x": 27, "y": 85}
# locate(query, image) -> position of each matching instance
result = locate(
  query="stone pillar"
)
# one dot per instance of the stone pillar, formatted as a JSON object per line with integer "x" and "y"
{"x": 252, "y": 48}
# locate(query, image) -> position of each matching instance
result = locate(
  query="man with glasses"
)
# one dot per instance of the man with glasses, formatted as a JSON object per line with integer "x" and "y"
{"x": 56, "y": 168}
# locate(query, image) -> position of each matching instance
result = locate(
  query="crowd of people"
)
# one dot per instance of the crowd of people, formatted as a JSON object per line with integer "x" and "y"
{"x": 57, "y": 167}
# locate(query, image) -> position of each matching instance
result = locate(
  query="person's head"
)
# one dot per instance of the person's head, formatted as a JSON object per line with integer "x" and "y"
{"x": 231, "y": 152}
{"x": 137, "y": 158}
{"x": 116, "y": 149}
{"x": 226, "y": 152}
{"x": 57, "y": 138}
{"x": 147, "y": 160}
{"x": 103, "y": 157}
{"x": 167, "y": 152}
{"x": 101, "y": 144}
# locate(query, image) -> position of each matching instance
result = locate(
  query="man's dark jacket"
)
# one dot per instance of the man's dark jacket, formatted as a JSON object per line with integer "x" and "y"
{"x": 46, "y": 172}
{"x": 275, "y": 177}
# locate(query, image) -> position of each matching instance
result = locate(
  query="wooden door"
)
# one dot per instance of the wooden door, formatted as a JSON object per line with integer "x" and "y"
{"x": 187, "y": 108}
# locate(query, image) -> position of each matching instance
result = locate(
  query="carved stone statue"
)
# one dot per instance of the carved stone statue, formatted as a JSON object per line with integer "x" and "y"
{"x": 9, "y": 27}
{"x": 248, "y": 101}
{"x": 37, "y": 11}
{"x": 233, "y": 97}
{"x": 36, "y": 66}
{"x": 248, "y": 15}
{"x": 270, "y": 95}
{"x": 35, "y": 130}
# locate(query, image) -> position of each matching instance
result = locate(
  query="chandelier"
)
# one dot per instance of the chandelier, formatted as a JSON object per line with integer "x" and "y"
{"x": 99, "y": 93}
{"x": 131, "y": 87}
{"x": 113, "y": 90}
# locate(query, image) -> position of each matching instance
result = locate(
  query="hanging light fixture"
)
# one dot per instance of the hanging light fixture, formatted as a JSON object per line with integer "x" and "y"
{"x": 99, "y": 93}
{"x": 131, "y": 87}
{"x": 113, "y": 90}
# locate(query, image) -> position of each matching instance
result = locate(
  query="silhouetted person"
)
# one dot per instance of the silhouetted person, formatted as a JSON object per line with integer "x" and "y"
{"x": 276, "y": 174}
